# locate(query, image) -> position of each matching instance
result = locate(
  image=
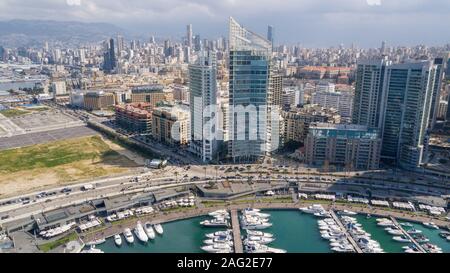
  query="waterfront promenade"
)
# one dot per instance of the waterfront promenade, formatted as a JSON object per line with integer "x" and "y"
{"x": 238, "y": 248}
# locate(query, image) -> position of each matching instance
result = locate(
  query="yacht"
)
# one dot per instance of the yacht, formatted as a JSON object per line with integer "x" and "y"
{"x": 255, "y": 212}
{"x": 256, "y": 225}
{"x": 386, "y": 223}
{"x": 219, "y": 233}
{"x": 149, "y": 231}
{"x": 118, "y": 240}
{"x": 343, "y": 248}
{"x": 96, "y": 242}
{"x": 219, "y": 240}
{"x": 312, "y": 209}
{"x": 411, "y": 249}
{"x": 420, "y": 238}
{"x": 368, "y": 216}
{"x": 414, "y": 231}
{"x": 430, "y": 248}
{"x": 406, "y": 224}
{"x": 216, "y": 222}
{"x": 254, "y": 247}
{"x": 394, "y": 231}
{"x": 216, "y": 247}
{"x": 259, "y": 233}
{"x": 159, "y": 229}
{"x": 402, "y": 239}
{"x": 347, "y": 212}
{"x": 216, "y": 213}
{"x": 128, "y": 236}
{"x": 140, "y": 233}
{"x": 92, "y": 250}
{"x": 430, "y": 225}
{"x": 260, "y": 240}
{"x": 322, "y": 214}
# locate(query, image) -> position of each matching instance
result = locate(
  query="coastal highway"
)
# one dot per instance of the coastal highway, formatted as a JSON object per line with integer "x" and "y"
{"x": 148, "y": 182}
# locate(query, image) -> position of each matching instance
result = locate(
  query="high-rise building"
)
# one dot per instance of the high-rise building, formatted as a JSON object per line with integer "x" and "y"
{"x": 120, "y": 45}
{"x": 189, "y": 35}
{"x": 276, "y": 88}
{"x": 203, "y": 100}
{"x": 441, "y": 63}
{"x": 345, "y": 147}
{"x": 109, "y": 57}
{"x": 341, "y": 101}
{"x": 249, "y": 94}
{"x": 368, "y": 106}
{"x": 270, "y": 34}
{"x": 408, "y": 91}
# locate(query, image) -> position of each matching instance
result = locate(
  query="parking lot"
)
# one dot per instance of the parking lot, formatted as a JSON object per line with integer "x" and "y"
{"x": 43, "y": 119}
{"x": 43, "y": 137}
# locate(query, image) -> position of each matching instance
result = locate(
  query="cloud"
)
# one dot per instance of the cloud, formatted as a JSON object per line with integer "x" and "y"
{"x": 317, "y": 22}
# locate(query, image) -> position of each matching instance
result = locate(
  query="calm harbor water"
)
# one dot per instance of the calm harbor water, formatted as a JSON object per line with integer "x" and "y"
{"x": 294, "y": 231}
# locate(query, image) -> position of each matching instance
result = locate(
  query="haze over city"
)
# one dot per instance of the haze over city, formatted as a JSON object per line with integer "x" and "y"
{"x": 318, "y": 23}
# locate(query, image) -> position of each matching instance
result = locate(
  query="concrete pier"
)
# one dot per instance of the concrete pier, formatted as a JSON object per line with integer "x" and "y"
{"x": 407, "y": 235}
{"x": 238, "y": 248}
{"x": 347, "y": 235}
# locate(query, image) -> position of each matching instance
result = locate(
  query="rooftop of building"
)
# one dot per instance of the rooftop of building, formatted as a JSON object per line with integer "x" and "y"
{"x": 319, "y": 129}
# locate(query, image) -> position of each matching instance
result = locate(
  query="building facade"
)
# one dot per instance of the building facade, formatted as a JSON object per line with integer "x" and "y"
{"x": 135, "y": 118}
{"x": 250, "y": 100}
{"x": 152, "y": 94}
{"x": 203, "y": 103}
{"x": 164, "y": 118}
{"x": 98, "y": 100}
{"x": 343, "y": 147}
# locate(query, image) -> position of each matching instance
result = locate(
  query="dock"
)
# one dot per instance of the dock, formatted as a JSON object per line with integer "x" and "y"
{"x": 347, "y": 235}
{"x": 408, "y": 235}
{"x": 238, "y": 248}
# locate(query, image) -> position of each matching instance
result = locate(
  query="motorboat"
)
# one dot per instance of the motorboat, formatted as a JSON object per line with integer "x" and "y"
{"x": 402, "y": 239}
{"x": 216, "y": 247}
{"x": 219, "y": 233}
{"x": 118, "y": 240}
{"x": 140, "y": 233}
{"x": 255, "y": 247}
{"x": 92, "y": 249}
{"x": 430, "y": 248}
{"x": 259, "y": 233}
{"x": 159, "y": 229}
{"x": 149, "y": 230}
{"x": 216, "y": 222}
{"x": 261, "y": 240}
{"x": 347, "y": 212}
{"x": 219, "y": 240}
{"x": 411, "y": 249}
{"x": 444, "y": 234}
{"x": 420, "y": 238}
{"x": 96, "y": 242}
{"x": 322, "y": 214}
{"x": 128, "y": 236}
{"x": 394, "y": 231}
{"x": 387, "y": 223}
{"x": 414, "y": 231}
{"x": 343, "y": 248}
{"x": 218, "y": 213}
{"x": 312, "y": 209}
{"x": 406, "y": 224}
{"x": 430, "y": 225}
{"x": 256, "y": 225}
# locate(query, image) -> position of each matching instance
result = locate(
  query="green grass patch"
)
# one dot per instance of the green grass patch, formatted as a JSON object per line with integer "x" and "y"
{"x": 57, "y": 153}
{"x": 64, "y": 240}
{"x": 10, "y": 113}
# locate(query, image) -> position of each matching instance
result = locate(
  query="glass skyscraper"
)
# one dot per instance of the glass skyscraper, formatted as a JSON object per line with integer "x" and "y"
{"x": 408, "y": 94}
{"x": 249, "y": 94}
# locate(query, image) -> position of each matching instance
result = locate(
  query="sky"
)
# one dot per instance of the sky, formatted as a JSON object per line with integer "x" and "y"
{"x": 314, "y": 23}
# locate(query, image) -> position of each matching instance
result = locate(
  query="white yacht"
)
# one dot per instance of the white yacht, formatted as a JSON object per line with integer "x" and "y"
{"x": 254, "y": 247}
{"x": 96, "y": 242}
{"x": 313, "y": 208}
{"x": 414, "y": 231}
{"x": 219, "y": 233}
{"x": 140, "y": 233}
{"x": 219, "y": 240}
{"x": 159, "y": 229}
{"x": 220, "y": 212}
{"x": 259, "y": 233}
{"x": 216, "y": 222}
{"x": 118, "y": 240}
{"x": 260, "y": 240}
{"x": 347, "y": 212}
{"x": 214, "y": 248}
{"x": 149, "y": 231}
{"x": 256, "y": 225}
{"x": 128, "y": 236}
{"x": 393, "y": 231}
{"x": 92, "y": 250}
{"x": 430, "y": 225}
{"x": 402, "y": 239}
{"x": 386, "y": 223}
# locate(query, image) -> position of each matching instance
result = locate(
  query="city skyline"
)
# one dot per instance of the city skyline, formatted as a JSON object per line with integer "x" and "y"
{"x": 310, "y": 23}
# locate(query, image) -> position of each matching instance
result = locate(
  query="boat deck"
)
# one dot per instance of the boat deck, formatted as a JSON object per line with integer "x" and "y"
{"x": 238, "y": 248}
{"x": 347, "y": 235}
{"x": 407, "y": 235}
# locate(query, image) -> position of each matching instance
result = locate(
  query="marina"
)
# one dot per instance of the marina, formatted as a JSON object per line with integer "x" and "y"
{"x": 290, "y": 230}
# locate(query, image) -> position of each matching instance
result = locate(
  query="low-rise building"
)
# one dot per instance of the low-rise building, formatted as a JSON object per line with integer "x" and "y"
{"x": 153, "y": 94}
{"x": 134, "y": 117}
{"x": 296, "y": 121}
{"x": 165, "y": 117}
{"x": 98, "y": 100}
{"x": 348, "y": 147}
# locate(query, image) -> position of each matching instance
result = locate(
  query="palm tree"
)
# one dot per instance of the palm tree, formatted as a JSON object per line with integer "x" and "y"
{"x": 204, "y": 168}
{"x": 216, "y": 168}
{"x": 176, "y": 176}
